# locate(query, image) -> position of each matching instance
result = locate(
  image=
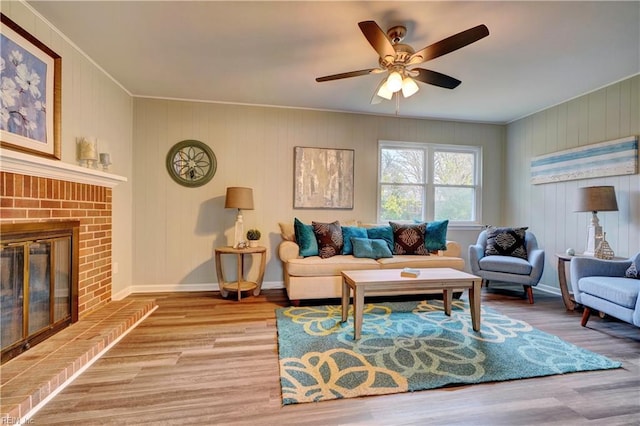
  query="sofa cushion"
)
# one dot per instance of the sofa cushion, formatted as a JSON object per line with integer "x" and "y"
{"x": 347, "y": 233}
{"x": 618, "y": 290}
{"x": 506, "y": 242}
{"x": 506, "y": 264}
{"x": 315, "y": 266}
{"x": 329, "y": 237}
{"x": 382, "y": 232}
{"x": 436, "y": 236}
{"x": 305, "y": 238}
{"x": 409, "y": 238}
{"x": 370, "y": 248}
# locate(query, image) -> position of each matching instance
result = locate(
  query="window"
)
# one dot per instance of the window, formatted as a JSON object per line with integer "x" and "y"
{"x": 418, "y": 181}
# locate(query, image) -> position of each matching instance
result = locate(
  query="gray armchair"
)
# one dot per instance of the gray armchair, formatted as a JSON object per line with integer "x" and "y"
{"x": 510, "y": 269}
{"x": 601, "y": 285}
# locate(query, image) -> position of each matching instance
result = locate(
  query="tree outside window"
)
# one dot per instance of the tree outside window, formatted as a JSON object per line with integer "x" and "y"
{"x": 428, "y": 182}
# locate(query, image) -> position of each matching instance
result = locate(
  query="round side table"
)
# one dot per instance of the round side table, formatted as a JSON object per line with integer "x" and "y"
{"x": 240, "y": 284}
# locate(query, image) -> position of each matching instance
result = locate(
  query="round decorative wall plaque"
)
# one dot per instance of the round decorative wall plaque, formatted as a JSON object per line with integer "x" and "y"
{"x": 191, "y": 163}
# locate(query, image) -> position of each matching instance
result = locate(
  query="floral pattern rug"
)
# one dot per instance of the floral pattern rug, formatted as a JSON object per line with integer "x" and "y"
{"x": 411, "y": 346}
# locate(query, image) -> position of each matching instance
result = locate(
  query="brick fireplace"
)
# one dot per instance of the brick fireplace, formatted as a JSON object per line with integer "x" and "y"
{"x": 26, "y": 198}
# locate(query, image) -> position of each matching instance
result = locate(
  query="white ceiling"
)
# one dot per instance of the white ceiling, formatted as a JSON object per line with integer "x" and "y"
{"x": 269, "y": 52}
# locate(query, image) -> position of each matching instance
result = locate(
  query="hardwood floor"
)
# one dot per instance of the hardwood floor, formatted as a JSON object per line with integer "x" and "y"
{"x": 201, "y": 359}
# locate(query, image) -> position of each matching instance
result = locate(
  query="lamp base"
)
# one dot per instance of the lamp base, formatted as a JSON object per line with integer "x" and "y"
{"x": 238, "y": 238}
{"x": 594, "y": 236}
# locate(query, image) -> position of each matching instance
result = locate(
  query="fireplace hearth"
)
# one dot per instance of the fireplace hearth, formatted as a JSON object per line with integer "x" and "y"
{"x": 38, "y": 282}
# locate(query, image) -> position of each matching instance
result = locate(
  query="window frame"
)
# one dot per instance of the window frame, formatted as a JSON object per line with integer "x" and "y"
{"x": 429, "y": 187}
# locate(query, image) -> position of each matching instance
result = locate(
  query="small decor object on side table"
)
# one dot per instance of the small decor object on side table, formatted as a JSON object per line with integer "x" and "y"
{"x": 604, "y": 250}
{"x": 253, "y": 235}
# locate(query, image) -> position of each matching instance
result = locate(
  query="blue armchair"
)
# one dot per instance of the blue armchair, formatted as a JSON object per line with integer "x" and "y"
{"x": 601, "y": 285}
{"x": 510, "y": 269}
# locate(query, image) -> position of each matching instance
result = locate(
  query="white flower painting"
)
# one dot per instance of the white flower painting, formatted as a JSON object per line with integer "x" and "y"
{"x": 30, "y": 92}
{"x": 22, "y": 95}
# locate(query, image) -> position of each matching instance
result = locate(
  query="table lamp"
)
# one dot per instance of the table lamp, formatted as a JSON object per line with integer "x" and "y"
{"x": 242, "y": 199}
{"x": 595, "y": 199}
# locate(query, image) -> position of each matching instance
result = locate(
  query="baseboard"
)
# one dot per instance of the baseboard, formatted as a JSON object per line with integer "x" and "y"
{"x": 175, "y": 288}
{"x": 548, "y": 289}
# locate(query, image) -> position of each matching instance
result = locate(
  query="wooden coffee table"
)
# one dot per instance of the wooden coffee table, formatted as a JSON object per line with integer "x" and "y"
{"x": 388, "y": 282}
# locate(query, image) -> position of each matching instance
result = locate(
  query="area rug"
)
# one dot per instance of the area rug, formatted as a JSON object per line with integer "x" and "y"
{"x": 410, "y": 346}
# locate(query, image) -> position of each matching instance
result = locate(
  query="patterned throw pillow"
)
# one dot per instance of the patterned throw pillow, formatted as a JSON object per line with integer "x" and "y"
{"x": 632, "y": 271}
{"x": 409, "y": 238}
{"x": 329, "y": 237}
{"x": 506, "y": 242}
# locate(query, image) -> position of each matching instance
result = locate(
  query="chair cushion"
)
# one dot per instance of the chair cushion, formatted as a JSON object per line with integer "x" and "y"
{"x": 505, "y": 264}
{"x": 329, "y": 236}
{"x": 618, "y": 290}
{"x": 506, "y": 242}
{"x": 409, "y": 238}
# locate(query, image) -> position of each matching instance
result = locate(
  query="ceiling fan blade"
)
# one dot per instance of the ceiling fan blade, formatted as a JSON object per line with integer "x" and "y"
{"x": 449, "y": 44}
{"x": 348, "y": 74}
{"x": 436, "y": 78}
{"x": 377, "y": 39}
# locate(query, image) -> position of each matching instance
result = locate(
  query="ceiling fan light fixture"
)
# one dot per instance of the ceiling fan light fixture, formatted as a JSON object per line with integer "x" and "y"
{"x": 394, "y": 82}
{"x": 384, "y": 91}
{"x": 409, "y": 87}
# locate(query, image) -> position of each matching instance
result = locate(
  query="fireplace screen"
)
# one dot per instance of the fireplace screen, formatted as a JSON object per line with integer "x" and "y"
{"x": 37, "y": 287}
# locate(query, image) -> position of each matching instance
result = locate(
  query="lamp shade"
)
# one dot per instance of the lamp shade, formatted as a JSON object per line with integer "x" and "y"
{"x": 239, "y": 198}
{"x": 596, "y": 199}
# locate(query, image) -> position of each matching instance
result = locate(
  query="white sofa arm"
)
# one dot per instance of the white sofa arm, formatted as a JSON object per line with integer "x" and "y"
{"x": 288, "y": 250}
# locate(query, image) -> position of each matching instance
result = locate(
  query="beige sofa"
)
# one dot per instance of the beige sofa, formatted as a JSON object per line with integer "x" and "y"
{"x": 316, "y": 278}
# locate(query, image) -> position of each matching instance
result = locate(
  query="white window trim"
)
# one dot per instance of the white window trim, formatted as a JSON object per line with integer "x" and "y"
{"x": 430, "y": 149}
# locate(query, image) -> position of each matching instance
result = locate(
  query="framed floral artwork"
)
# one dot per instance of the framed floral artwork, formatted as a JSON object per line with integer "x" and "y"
{"x": 30, "y": 93}
{"x": 323, "y": 178}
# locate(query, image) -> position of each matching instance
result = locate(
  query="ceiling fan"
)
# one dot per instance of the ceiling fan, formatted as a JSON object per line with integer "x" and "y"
{"x": 397, "y": 59}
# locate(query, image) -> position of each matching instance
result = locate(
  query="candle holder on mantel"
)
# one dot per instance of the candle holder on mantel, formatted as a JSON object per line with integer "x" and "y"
{"x": 105, "y": 160}
{"x": 87, "y": 151}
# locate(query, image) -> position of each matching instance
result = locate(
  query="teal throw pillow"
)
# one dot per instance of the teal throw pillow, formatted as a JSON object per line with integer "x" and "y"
{"x": 306, "y": 239}
{"x": 381, "y": 233}
{"x": 347, "y": 233}
{"x": 370, "y": 248}
{"x": 436, "y": 236}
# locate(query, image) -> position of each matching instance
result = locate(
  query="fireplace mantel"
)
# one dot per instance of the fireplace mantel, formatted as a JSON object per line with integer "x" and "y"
{"x": 33, "y": 165}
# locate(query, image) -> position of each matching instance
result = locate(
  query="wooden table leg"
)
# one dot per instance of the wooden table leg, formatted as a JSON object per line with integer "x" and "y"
{"x": 358, "y": 306}
{"x": 345, "y": 299}
{"x": 224, "y": 293}
{"x": 263, "y": 263}
{"x": 564, "y": 288}
{"x": 447, "y": 297}
{"x": 474, "y": 301}
{"x": 240, "y": 276}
